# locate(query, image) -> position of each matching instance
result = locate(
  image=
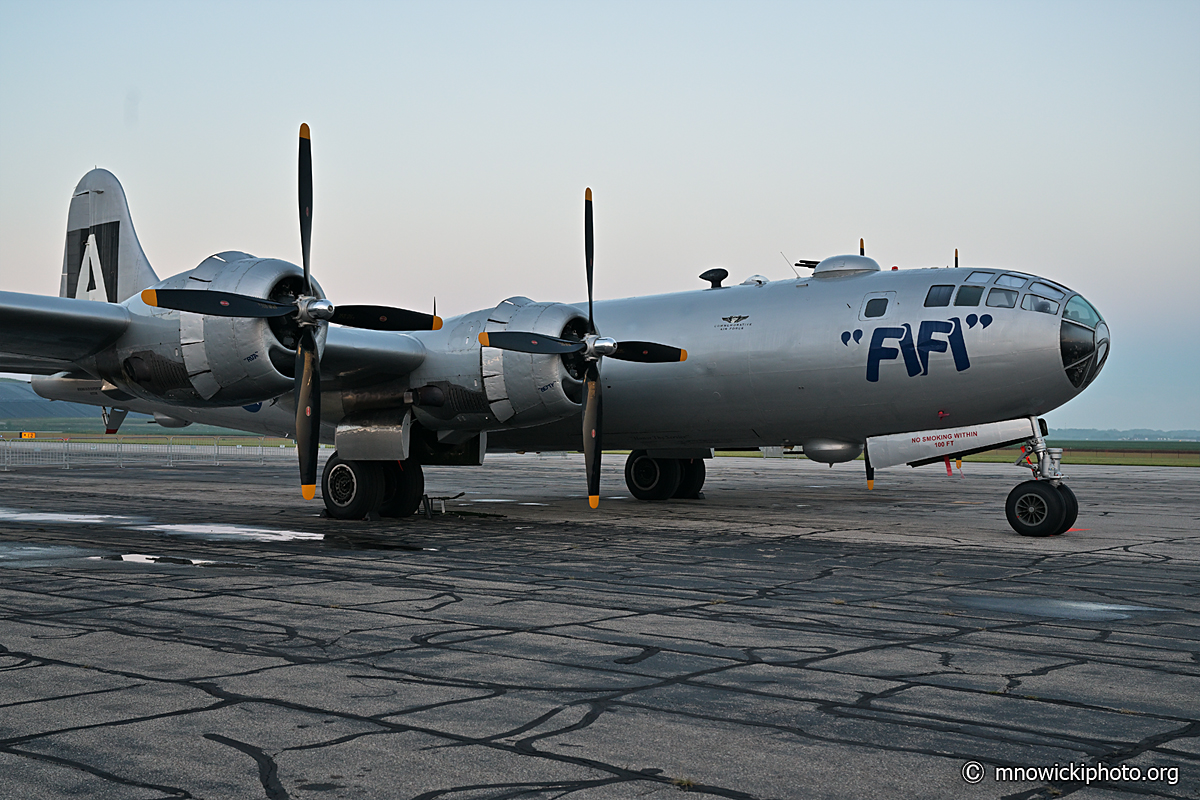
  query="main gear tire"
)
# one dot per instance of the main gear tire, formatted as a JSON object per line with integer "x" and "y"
{"x": 691, "y": 478}
{"x": 404, "y": 486}
{"x": 1072, "y": 506}
{"x": 1035, "y": 508}
{"x": 351, "y": 489}
{"x": 651, "y": 478}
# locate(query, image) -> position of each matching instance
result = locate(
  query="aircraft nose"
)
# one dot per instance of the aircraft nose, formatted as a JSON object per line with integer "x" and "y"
{"x": 1084, "y": 340}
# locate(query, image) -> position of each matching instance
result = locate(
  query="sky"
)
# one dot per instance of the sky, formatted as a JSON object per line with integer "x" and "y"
{"x": 452, "y": 142}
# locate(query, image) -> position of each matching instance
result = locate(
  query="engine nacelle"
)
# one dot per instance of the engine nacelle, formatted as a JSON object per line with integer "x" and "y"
{"x": 220, "y": 361}
{"x": 524, "y": 389}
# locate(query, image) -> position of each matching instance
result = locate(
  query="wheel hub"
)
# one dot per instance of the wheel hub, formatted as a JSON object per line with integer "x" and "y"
{"x": 1032, "y": 509}
{"x": 343, "y": 485}
{"x": 645, "y": 473}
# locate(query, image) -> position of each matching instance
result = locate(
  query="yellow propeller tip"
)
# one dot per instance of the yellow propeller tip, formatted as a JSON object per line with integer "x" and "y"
{"x": 309, "y": 490}
{"x": 594, "y": 500}
{"x": 870, "y": 484}
{"x": 587, "y": 195}
{"x": 437, "y": 322}
{"x": 483, "y": 339}
{"x": 682, "y": 354}
{"x": 150, "y": 297}
{"x": 304, "y": 130}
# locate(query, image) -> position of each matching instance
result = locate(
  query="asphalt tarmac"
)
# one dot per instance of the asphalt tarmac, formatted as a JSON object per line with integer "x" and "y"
{"x": 203, "y": 632}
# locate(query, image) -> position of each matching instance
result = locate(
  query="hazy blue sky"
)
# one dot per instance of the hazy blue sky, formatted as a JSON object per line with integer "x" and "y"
{"x": 452, "y": 143}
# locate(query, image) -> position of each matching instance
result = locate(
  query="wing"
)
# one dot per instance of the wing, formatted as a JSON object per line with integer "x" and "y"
{"x": 360, "y": 357}
{"x": 44, "y": 335}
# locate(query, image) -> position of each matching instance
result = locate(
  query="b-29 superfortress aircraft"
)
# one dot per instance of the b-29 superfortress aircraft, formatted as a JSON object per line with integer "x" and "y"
{"x": 903, "y": 366}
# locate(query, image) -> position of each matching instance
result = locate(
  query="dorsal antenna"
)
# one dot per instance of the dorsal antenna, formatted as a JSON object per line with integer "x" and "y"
{"x": 790, "y": 264}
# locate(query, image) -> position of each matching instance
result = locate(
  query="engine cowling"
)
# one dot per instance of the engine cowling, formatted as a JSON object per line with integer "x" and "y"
{"x": 221, "y": 361}
{"x": 524, "y": 389}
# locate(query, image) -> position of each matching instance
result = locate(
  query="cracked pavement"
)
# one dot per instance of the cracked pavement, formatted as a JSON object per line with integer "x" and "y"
{"x": 201, "y": 632}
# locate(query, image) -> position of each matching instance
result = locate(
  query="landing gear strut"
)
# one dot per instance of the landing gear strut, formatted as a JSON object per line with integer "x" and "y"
{"x": 1044, "y": 506}
{"x": 356, "y": 489}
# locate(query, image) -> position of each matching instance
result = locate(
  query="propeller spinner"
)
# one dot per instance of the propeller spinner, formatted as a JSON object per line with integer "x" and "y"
{"x": 593, "y": 347}
{"x": 309, "y": 311}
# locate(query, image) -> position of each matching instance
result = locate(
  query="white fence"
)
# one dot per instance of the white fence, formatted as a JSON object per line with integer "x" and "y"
{"x": 122, "y": 451}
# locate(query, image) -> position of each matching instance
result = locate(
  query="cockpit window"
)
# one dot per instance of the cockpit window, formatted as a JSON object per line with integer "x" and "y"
{"x": 968, "y": 296}
{"x": 1034, "y": 303}
{"x": 938, "y": 296}
{"x": 980, "y": 277}
{"x": 876, "y": 307}
{"x": 1002, "y": 298}
{"x": 1011, "y": 281}
{"x": 1081, "y": 311}
{"x": 1047, "y": 291}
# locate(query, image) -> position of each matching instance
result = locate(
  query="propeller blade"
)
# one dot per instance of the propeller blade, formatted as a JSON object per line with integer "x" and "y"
{"x": 523, "y": 342}
{"x": 588, "y": 251}
{"x": 308, "y": 410}
{"x": 385, "y": 318}
{"x": 648, "y": 353}
{"x": 216, "y": 304}
{"x": 592, "y": 429}
{"x": 306, "y": 197}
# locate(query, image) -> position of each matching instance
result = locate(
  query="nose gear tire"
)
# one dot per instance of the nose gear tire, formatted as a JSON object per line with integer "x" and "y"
{"x": 1072, "y": 506}
{"x": 651, "y": 478}
{"x": 1036, "y": 508}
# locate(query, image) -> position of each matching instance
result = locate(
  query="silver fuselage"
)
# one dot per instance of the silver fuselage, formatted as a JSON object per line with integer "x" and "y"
{"x": 774, "y": 363}
{"x": 782, "y": 375}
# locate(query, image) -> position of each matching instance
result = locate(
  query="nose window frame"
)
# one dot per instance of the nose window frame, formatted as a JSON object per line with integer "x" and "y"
{"x": 1041, "y": 305}
{"x": 939, "y": 295}
{"x": 999, "y": 297}
{"x": 968, "y": 296}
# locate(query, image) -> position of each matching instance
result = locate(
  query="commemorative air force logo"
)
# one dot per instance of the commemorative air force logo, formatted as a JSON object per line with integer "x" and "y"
{"x": 734, "y": 322}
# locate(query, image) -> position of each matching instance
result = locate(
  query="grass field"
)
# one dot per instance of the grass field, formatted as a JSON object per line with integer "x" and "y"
{"x": 1115, "y": 453}
{"x": 134, "y": 426}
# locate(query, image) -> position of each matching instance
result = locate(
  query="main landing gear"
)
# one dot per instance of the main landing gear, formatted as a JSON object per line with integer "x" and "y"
{"x": 663, "y": 478}
{"x": 357, "y": 489}
{"x": 1044, "y": 506}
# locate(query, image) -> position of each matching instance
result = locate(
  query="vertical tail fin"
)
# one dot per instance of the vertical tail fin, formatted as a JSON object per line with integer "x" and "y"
{"x": 103, "y": 259}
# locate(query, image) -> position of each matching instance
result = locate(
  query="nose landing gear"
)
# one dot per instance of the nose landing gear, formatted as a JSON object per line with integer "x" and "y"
{"x": 1039, "y": 508}
{"x": 1044, "y": 506}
